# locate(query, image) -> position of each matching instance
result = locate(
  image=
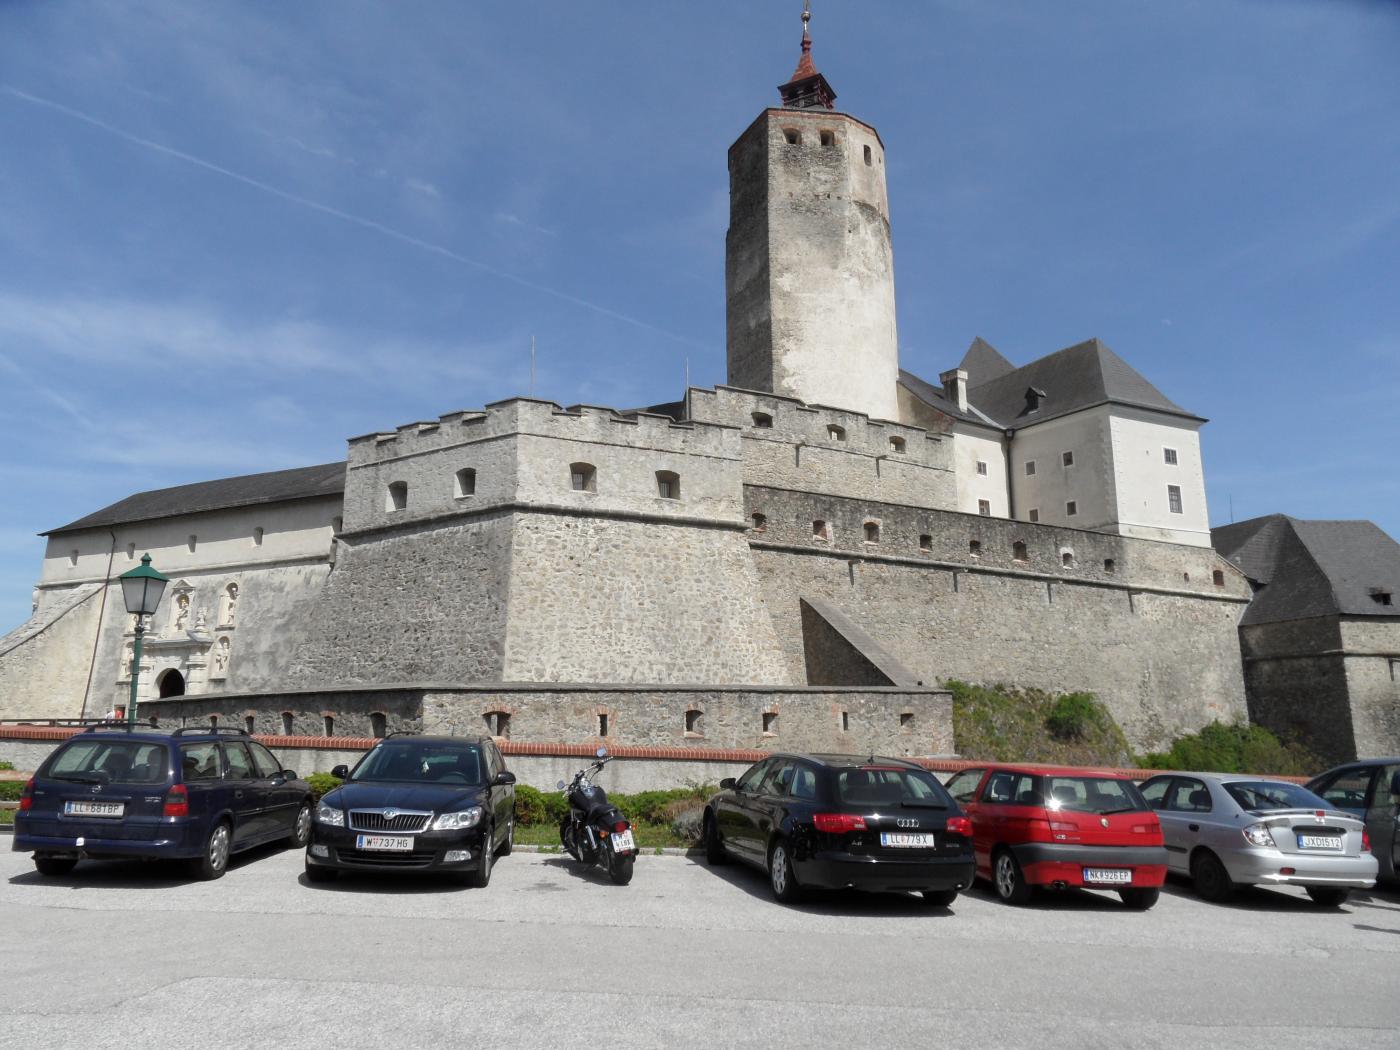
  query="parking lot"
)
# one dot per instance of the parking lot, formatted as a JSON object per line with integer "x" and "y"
{"x": 552, "y": 955}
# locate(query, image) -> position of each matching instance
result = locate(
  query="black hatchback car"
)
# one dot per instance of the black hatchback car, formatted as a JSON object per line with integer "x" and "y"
{"x": 417, "y": 803}
{"x": 200, "y": 794}
{"x": 842, "y": 821}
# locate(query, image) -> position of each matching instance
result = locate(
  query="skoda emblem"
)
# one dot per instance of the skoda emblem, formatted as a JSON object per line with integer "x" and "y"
{"x": 390, "y": 814}
{"x": 1103, "y": 821}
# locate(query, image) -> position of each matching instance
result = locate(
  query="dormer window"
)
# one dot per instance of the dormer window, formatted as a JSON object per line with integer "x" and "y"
{"x": 1033, "y": 399}
{"x": 1380, "y": 596}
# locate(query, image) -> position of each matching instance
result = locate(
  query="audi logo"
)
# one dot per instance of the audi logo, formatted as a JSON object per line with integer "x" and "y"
{"x": 907, "y": 823}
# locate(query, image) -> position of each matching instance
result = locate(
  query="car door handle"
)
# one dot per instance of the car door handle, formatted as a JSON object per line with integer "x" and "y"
{"x": 1193, "y": 827}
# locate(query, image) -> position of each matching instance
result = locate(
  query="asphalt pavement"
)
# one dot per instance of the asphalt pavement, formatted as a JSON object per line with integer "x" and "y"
{"x": 551, "y": 955}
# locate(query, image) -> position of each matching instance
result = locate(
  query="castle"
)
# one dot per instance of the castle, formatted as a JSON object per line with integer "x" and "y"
{"x": 796, "y": 559}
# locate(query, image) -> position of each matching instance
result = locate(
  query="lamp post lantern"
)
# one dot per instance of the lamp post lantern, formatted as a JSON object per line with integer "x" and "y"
{"x": 142, "y": 588}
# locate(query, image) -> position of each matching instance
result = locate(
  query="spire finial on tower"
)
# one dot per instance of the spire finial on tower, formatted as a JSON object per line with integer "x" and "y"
{"x": 807, "y": 89}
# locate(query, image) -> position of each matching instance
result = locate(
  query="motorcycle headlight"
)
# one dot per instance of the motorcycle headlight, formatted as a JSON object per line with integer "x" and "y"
{"x": 458, "y": 821}
{"x": 1260, "y": 835}
{"x": 330, "y": 815}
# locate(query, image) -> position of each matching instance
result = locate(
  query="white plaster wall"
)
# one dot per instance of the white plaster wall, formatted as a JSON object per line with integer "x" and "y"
{"x": 1089, "y": 482}
{"x": 971, "y": 445}
{"x": 1141, "y": 477}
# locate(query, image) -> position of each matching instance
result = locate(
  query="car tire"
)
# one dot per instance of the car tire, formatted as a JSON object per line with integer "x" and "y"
{"x": 481, "y": 877}
{"x": 782, "y": 880}
{"x": 1140, "y": 898}
{"x": 213, "y": 860}
{"x": 1328, "y": 896}
{"x": 620, "y": 868}
{"x": 507, "y": 845}
{"x": 1212, "y": 881}
{"x": 1008, "y": 880}
{"x": 319, "y": 873}
{"x": 301, "y": 827}
{"x": 940, "y": 898}
{"x": 54, "y": 865}
{"x": 714, "y": 848}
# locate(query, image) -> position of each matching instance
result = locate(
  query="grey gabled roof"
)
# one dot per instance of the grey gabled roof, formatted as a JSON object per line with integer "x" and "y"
{"x": 983, "y": 363}
{"x": 1313, "y": 568}
{"x": 327, "y": 479}
{"x": 1075, "y": 378}
{"x": 933, "y": 397}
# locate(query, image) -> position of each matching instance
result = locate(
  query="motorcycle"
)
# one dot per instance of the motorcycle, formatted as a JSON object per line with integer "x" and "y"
{"x": 595, "y": 831}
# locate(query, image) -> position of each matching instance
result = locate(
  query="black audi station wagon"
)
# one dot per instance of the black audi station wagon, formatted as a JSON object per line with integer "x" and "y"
{"x": 418, "y": 804}
{"x": 842, "y": 821}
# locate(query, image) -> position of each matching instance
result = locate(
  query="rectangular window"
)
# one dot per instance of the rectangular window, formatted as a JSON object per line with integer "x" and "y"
{"x": 1169, "y": 456}
{"x": 1033, "y": 514}
{"x": 1174, "y": 498}
{"x": 984, "y": 508}
{"x": 1071, "y": 509}
{"x": 1395, "y": 670}
{"x": 982, "y": 467}
{"x": 1030, "y": 468}
{"x": 1067, "y": 459}
{"x": 663, "y": 488}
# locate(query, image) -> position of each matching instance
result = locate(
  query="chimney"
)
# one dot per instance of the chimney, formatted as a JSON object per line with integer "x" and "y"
{"x": 955, "y": 387}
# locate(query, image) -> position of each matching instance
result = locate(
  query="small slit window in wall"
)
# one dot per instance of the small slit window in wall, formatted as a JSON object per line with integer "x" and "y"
{"x": 868, "y": 156}
{"x": 1033, "y": 515}
{"x": 397, "y": 496}
{"x": 602, "y": 723}
{"x": 835, "y": 433}
{"x": 378, "y": 724}
{"x": 1218, "y": 578}
{"x": 925, "y": 542}
{"x": 845, "y": 721}
{"x": 498, "y": 723}
{"x": 984, "y": 508}
{"x": 974, "y": 547}
{"x": 1067, "y": 459}
{"x": 828, "y": 138}
{"x": 982, "y": 467}
{"x": 793, "y": 136}
{"x": 258, "y": 536}
{"x": 770, "y": 718}
{"x": 583, "y": 477}
{"x": 668, "y": 484}
{"x": 1174, "y": 498}
{"x": 906, "y": 721}
{"x": 465, "y": 483}
{"x": 329, "y": 724}
{"x": 131, "y": 552}
{"x": 872, "y": 532}
{"x": 763, "y": 421}
{"x": 1030, "y": 468}
{"x": 337, "y": 523}
{"x": 73, "y": 557}
{"x": 1169, "y": 456}
{"x": 1018, "y": 551}
{"x": 1071, "y": 509}
{"x": 249, "y": 724}
{"x": 821, "y": 530}
{"x": 760, "y": 521}
{"x": 213, "y": 721}
{"x": 286, "y": 723}
{"x": 695, "y": 722}
{"x": 1067, "y": 559}
{"x": 1110, "y": 566}
{"x": 897, "y": 445}
{"x": 192, "y": 542}
{"x": 1395, "y": 670}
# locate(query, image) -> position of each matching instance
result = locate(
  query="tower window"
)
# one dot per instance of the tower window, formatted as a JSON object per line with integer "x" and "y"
{"x": 770, "y": 723}
{"x": 131, "y": 552}
{"x": 193, "y": 542}
{"x": 763, "y": 421}
{"x": 583, "y": 477}
{"x": 925, "y": 542}
{"x": 1067, "y": 459}
{"x": 906, "y": 721}
{"x": 821, "y": 530}
{"x": 897, "y": 444}
{"x": 668, "y": 484}
{"x": 1033, "y": 514}
{"x": 982, "y": 467}
{"x": 378, "y": 724}
{"x": 836, "y": 433}
{"x": 498, "y": 723}
{"x": 257, "y": 536}
{"x": 73, "y": 556}
{"x": 845, "y": 721}
{"x": 330, "y": 724}
{"x": 793, "y": 136}
{"x": 1067, "y": 559}
{"x": 867, "y": 156}
{"x": 984, "y": 508}
{"x": 1030, "y": 468}
{"x": 1110, "y": 566}
{"x": 872, "y": 532}
{"x": 974, "y": 547}
{"x": 602, "y": 723}
{"x": 1169, "y": 456}
{"x": 397, "y": 497}
{"x": 1071, "y": 509}
{"x": 337, "y": 523}
{"x": 760, "y": 521}
{"x": 1018, "y": 551}
{"x": 828, "y": 138}
{"x": 1218, "y": 578}
{"x": 465, "y": 483}
{"x": 1174, "y": 498}
{"x": 249, "y": 724}
{"x": 695, "y": 722}
{"x": 286, "y": 723}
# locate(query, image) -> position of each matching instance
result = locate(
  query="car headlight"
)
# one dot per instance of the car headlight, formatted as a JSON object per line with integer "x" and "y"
{"x": 1260, "y": 835}
{"x": 458, "y": 821}
{"x": 330, "y": 815}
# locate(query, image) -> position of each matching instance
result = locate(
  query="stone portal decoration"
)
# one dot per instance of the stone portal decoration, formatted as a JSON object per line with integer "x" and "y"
{"x": 182, "y": 611}
{"x": 230, "y": 604}
{"x": 222, "y": 649}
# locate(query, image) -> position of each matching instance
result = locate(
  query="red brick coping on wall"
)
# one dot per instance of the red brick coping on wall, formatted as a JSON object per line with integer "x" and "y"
{"x": 511, "y": 747}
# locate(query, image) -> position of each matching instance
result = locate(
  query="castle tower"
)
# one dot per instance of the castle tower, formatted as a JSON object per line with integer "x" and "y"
{"x": 809, "y": 272}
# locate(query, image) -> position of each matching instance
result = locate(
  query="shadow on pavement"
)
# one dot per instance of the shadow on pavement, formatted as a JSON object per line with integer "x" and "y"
{"x": 825, "y": 902}
{"x": 1256, "y": 898}
{"x": 135, "y": 873}
{"x": 1069, "y": 899}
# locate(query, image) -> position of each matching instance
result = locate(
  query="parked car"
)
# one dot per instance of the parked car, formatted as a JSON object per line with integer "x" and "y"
{"x": 1044, "y": 826}
{"x": 1368, "y": 790}
{"x": 196, "y": 793}
{"x": 842, "y": 821}
{"x": 417, "y": 804}
{"x": 1230, "y": 830}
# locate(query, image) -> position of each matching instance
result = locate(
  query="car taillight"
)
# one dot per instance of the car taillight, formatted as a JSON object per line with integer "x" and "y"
{"x": 838, "y": 823}
{"x": 621, "y": 825}
{"x": 26, "y": 797}
{"x": 959, "y": 826}
{"x": 177, "y": 802}
{"x": 1365, "y": 837}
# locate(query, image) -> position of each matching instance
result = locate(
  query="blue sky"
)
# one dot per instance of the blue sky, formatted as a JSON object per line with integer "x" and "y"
{"x": 288, "y": 224}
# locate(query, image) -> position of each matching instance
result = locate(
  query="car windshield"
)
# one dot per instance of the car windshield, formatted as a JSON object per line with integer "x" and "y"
{"x": 419, "y": 762}
{"x": 1267, "y": 794}
{"x": 890, "y": 786}
{"x": 100, "y": 761}
{"x": 1092, "y": 795}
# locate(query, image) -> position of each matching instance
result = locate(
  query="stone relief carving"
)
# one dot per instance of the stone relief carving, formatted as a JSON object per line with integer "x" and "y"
{"x": 229, "y": 602}
{"x": 182, "y": 611}
{"x": 221, "y": 657}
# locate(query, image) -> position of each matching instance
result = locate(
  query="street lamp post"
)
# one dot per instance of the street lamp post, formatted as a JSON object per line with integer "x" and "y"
{"x": 142, "y": 588}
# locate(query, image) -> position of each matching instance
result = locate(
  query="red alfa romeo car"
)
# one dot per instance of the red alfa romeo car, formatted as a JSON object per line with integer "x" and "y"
{"x": 1035, "y": 826}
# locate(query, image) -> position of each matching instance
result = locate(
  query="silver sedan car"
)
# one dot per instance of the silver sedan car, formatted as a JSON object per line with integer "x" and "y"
{"x": 1227, "y": 830}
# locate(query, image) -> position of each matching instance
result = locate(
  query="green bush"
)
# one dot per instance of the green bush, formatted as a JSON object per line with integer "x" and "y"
{"x": 7, "y": 767}
{"x": 1074, "y": 716}
{"x": 322, "y": 783}
{"x": 10, "y": 790}
{"x": 533, "y": 806}
{"x": 1220, "y": 748}
{"x": 1010, "y": 724}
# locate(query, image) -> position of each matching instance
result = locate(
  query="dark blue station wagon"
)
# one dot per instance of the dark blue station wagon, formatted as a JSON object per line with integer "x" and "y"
{"x": 199, "y": 794}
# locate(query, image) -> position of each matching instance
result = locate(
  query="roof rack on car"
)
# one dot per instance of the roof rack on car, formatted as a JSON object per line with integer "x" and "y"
{"x": 116, "y": 725}
{"x": 231, "y": 730}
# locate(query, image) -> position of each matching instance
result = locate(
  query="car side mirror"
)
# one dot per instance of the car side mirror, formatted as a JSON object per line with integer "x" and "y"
{"x": 289, "y": 774}
{"x": 727, "y": 783}
{"x": 504, "y": 777}
{"x": 343, "y": 772}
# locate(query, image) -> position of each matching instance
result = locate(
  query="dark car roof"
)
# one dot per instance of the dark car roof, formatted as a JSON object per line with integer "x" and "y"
{"x": 825, "y": 759}
{"x": 414, "y": 738}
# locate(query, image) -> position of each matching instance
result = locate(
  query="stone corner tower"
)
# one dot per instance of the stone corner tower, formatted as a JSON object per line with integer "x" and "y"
{"x": 809, "y": 271}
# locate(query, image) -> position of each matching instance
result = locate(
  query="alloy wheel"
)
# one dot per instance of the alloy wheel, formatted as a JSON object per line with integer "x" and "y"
{"x": 218, "y": 848}
{"x": 779, "y": 869}
{"x": 1006, "y": 876}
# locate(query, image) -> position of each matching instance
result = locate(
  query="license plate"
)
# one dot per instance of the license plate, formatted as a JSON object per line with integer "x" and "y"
{"x": 622, "y": 841}
{"x": 907, "y": 839}
{"x": 402, "y": 843}
{"x": 94, "y": 809}
{"x": 1319, "y": 842}
{"x": 1112, "y": 875}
